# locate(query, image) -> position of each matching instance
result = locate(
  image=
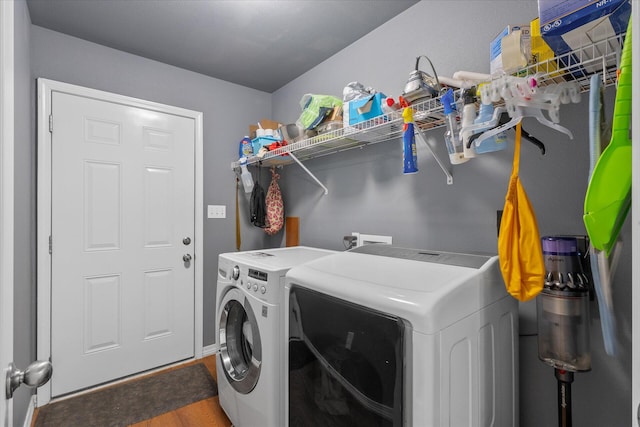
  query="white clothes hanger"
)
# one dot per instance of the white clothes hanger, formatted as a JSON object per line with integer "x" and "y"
{"x": 524, "y": 98}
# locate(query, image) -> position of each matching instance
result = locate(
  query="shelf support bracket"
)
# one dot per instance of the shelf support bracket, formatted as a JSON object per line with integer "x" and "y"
{"x": 424, "y": 139}
{"x": 326, "y": 191}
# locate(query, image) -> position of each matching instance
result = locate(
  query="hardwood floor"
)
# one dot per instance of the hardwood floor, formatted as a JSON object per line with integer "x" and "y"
{"x": 204, "y": 413}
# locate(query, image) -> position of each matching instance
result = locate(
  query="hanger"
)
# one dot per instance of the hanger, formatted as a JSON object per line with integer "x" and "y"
{"x": 523, "y": 97}
{"x": 504, "y": 119}
{"x": 519, "y": 112}
{"x": 496, "y": 120}
{"x": 535, "y": 141}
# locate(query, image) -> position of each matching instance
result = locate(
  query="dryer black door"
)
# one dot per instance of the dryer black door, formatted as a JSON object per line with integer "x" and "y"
{"x": 240, "y": 344}
{"x": 346, "y": 363}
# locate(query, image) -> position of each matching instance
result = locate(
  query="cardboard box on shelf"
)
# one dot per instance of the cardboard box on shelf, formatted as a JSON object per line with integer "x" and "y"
{"x": 335, "y": 115}
{"x": 510, "y": 50}
{"x": 541, "y": 53}
{"x": 266, "y": 124}
{"x": 568, "y": 25}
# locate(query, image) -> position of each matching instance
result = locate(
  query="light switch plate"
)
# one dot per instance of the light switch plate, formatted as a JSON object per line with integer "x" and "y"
{"x": 216, "y": 211}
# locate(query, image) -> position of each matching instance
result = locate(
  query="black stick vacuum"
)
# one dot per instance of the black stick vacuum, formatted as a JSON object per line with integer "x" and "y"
{"x": 563, "y": 317}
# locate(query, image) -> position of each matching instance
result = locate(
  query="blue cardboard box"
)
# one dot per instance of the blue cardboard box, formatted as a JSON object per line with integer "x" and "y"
{"x": 567, "y": 25}
{"x": 366, "y": 108}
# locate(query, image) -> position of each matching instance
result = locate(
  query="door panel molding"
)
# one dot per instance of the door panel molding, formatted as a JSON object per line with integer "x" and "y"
{"x": 46, "y": 88}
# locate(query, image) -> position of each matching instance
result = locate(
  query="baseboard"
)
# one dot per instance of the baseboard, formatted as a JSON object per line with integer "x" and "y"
{"x": 210, "y": 350}
{"x": 28, "y": 419}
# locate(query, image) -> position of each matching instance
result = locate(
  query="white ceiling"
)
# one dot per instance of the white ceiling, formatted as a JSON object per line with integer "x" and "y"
{"x": 262, "y": 44}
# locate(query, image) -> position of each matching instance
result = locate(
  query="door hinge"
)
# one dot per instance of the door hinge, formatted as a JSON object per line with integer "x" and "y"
{"x": 50, "y": 244}
{"x": 51, "y": 123}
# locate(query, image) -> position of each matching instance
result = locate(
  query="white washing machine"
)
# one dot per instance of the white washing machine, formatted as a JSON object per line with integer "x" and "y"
{"x": 388, "y": 336}
{"x": 250, "y": 328}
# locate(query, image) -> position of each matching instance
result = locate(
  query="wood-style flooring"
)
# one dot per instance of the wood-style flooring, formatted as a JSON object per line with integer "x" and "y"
{"x": 205, "y": 413}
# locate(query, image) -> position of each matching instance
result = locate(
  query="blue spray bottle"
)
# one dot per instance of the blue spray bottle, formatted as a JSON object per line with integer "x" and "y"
{"x": 409, "y": 152}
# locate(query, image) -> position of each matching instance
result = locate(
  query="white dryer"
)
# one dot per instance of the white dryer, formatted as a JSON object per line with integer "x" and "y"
{"x": 250, "y": 328}
{"x": 388, "y": 336}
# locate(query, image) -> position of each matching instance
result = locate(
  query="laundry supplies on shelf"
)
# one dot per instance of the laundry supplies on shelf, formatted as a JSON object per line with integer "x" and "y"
{"x": 245, "y": 176}
{"x": 409, "y": 152}
{"x": 558, "y": 81}
{"x": 524, "y": 97}
{"x": 468, "y": 118}
{"x": 246, "y": 147}
{"x": 496, "y": 142}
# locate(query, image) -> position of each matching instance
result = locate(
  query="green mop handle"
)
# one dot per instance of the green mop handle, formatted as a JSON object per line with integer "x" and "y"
{"x": 622, "y": 107}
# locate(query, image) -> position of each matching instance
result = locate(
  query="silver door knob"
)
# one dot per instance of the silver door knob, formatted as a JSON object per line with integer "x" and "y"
{"x": 186, "y": 258}
{"x": 186, "y": 241}
{"x": 36, "y": 374}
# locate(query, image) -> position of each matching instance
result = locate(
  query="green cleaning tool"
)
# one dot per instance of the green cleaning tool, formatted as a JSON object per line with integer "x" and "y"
{"x": 608, "y": 197}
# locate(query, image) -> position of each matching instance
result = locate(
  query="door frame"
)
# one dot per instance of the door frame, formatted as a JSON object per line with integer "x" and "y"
{"x": 45, "y": 90}
{"x": 6, "y": 202}
{"x": 635, "y": 221}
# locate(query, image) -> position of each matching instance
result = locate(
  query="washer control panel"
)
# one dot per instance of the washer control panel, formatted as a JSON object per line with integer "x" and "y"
{"x": 251, "y": 279}
{"x": 257, "y": 274}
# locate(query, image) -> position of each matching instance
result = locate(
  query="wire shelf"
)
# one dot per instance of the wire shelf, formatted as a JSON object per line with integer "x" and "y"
{"x": 580, "y": 64}
{"x": 599, "y": 57}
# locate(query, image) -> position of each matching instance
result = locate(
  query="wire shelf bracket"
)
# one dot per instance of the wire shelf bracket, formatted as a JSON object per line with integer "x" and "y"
{"x": 423, "y": 138}
{"x": 326, "y": 190}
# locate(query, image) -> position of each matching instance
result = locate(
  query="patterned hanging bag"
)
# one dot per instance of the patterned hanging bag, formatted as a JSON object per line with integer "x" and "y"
{"x": 275, "y": 207}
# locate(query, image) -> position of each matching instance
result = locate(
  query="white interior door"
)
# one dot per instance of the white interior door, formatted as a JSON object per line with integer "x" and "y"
{"x": 122, "y": 226}
{"x": 6, "y": 204}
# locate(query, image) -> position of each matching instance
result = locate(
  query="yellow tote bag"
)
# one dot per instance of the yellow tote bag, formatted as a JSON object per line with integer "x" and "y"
{"x": 519, "y": 246}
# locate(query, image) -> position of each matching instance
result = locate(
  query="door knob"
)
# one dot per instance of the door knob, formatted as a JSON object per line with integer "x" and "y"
{"x": 186, "y": 241}
{"x": 36, "y": 374}
{"x": 186, "y": 258}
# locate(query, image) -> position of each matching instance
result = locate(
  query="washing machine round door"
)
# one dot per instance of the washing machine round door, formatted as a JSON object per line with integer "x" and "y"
{"x": 240, "y": 345}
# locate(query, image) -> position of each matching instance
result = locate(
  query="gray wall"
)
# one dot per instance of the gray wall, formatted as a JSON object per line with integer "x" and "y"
{"x": 227, "y": 111}
{"x": 368, "y": 192}
{"x": 24, "y": 199}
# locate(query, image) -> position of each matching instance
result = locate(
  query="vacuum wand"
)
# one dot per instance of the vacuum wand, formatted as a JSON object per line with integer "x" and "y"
{"x": 565, "y": 378}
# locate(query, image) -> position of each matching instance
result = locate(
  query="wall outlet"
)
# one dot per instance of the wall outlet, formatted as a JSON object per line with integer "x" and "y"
{"x": 216, "y": 211}
{"x": 367, "y": 239}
